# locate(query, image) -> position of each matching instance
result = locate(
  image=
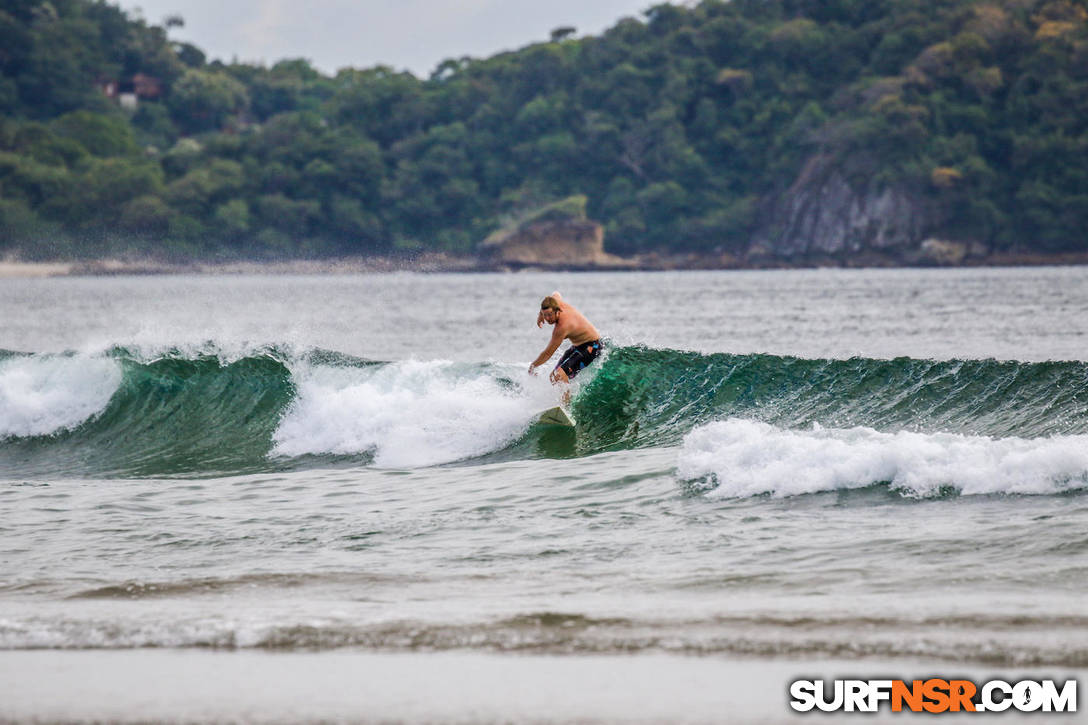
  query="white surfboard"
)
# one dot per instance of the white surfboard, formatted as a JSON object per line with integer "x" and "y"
{"x": 556, "y": 416}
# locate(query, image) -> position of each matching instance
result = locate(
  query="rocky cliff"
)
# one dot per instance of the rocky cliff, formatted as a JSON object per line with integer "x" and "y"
{"x": 824, "y": 215}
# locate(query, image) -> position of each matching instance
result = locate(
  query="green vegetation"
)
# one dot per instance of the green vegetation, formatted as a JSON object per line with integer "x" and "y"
{"x": 679, "y": 128}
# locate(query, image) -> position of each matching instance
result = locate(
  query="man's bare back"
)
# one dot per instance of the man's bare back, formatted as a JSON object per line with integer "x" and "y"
{"x": 569, "y": 324}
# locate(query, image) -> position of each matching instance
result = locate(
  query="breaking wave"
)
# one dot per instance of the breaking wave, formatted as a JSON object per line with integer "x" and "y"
{"x": 798, "y": 424}
{"x": 737, "y": 458}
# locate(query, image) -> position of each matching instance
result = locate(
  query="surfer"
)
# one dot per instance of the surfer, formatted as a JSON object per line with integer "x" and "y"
{"x": 569, "y": 323}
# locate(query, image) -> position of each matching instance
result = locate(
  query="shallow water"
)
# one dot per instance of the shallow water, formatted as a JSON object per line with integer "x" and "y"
{"x": 850, "y": 464}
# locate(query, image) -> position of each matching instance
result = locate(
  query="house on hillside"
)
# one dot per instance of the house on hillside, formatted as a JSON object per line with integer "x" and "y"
{"x": 128, "y": 93}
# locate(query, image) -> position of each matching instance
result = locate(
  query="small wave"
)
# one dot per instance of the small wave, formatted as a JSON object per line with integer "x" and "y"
{"x": 218, "y": 585}
{"x": 1000, "y": 641}
{"x": 738, "y": 458}
{"x": 118, "y": 415}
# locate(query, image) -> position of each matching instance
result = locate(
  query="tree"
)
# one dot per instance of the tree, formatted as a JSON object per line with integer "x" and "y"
{"x": 562, "y": 32}
{"x": 99, "y": 134}
{"x": 204, "y": 100}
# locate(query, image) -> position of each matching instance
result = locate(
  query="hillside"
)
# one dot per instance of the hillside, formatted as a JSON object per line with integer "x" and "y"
{"x": 791, "y": 130}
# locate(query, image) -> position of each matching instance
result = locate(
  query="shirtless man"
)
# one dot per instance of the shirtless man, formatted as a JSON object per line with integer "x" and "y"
{"x": 585, "y": 341}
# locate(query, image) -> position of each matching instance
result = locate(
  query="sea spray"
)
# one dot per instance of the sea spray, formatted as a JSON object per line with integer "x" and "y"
{"x": 42, "y": 395}
{"x": 407, "y": 414}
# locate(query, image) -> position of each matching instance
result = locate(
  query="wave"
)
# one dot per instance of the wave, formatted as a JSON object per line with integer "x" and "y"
{"x": 739, "y": 458}
{"x": 643, "y": 394}
{"x": 171, "y": 414}
{"x": 996, "y": 640}
{"x": 205, "y": 412}
{"x": 183, "y": 412}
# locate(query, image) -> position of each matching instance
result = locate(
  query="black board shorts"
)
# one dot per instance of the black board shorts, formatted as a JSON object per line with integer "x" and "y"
{"x": 578, "y": 356}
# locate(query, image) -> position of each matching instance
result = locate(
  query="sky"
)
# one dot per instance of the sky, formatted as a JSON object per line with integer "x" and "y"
{"x": 415, "y": 35}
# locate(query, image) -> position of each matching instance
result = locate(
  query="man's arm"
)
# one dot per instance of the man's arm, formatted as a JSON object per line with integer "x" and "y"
{"x": 553, "y": 345}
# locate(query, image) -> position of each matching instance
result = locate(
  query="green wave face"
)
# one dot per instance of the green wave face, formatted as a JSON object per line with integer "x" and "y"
{"x": 170, "y": 416}
{"x": 644, "y": 396}
{"x": 201, "y": 415}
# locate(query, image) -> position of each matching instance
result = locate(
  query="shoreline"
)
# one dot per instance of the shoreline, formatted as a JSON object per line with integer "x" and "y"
{"x": 444, "y": 263}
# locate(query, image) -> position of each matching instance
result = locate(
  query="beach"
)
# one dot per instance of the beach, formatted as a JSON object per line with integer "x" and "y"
{"x": 188, "y": 686}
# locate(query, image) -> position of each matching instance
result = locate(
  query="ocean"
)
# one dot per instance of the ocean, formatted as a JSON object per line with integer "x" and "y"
{"x": 772, "y": 472}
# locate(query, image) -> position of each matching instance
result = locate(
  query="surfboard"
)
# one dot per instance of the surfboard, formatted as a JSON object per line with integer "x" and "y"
{"x": 556, "y": 416}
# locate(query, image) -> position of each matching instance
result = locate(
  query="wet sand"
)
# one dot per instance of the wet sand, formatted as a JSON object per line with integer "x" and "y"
{"x": 348, "y": 686}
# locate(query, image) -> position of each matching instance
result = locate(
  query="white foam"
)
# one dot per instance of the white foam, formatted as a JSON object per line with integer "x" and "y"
{"x": 41, "y": 395}
{"x": 745, "y": 458}
{"x": 409, "y": 413}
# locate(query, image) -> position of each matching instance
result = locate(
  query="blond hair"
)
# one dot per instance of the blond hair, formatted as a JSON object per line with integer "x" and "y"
{"x": 550, "y": 302}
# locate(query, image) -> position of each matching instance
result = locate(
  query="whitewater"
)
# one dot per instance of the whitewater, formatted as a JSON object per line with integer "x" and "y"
{"x": 839, "y": 467}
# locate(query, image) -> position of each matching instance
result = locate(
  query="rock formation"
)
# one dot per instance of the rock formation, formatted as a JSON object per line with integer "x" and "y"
{"x": 556, "y": 236}
{"x": 824, "y": 215}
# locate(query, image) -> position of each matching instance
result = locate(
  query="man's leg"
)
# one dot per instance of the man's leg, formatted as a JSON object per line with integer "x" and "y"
{"x": 559, "y": 377}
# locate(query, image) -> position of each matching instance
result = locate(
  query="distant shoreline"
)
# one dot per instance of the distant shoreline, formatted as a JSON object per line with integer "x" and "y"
{"x": 438, "y": 263}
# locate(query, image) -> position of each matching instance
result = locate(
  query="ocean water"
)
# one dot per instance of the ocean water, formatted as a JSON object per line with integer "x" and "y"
{"x": 860, "y": 464}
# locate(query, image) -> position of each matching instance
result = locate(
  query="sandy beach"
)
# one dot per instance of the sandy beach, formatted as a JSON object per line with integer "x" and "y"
{"x": 441, "y": 262}
{"x": 348, "y": 265}
{"x": 34, "y": 269}
{"x": 349, "y": 686}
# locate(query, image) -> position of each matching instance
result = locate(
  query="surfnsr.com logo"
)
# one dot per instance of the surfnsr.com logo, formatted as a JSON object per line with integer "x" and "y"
{"x": 933, "y": 695}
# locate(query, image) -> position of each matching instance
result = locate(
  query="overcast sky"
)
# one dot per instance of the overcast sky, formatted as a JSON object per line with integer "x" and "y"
{"x": 412, "y": 34}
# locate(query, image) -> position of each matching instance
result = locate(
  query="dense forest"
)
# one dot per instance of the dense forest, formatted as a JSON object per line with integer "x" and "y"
{"x": 684, "y": 129}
